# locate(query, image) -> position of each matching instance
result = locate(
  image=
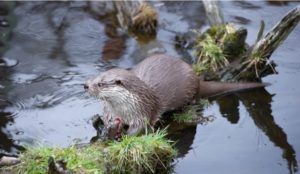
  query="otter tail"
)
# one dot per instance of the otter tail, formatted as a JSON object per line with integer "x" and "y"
{"x": 211, "y": 88}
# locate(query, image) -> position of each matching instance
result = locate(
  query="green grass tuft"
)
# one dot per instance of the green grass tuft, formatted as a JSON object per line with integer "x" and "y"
{"x": 218, "y": 46}
{"x": 205, "y": 103}
{"x": 199, "y": 68}
{"x": 184, "y": 117}
{"x": 87, "y": 160}
{"x": 191, "y": 114}
{"x": 143, "y": 154}
{"x": 209, "y": 54}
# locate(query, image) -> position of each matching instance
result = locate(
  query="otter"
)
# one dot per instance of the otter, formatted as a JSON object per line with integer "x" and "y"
{"x": 160, "y": 83}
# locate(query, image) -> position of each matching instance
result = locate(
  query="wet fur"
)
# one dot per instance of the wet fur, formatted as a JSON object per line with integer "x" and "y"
{"x": 158, "y": 84}
{"x": 132, "y": 100}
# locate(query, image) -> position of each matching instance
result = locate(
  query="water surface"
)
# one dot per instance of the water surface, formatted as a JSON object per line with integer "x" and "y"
{"x": 59, "y": 45}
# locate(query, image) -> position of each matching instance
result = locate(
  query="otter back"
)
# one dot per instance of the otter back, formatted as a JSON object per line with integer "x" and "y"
{"x": 172, "y": 80}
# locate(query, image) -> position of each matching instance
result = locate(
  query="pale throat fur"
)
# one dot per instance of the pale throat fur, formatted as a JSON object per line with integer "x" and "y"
{"x": 125, "y": 96}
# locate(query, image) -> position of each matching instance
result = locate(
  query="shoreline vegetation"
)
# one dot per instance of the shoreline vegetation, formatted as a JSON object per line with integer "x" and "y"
{"x": 149, "y": 153}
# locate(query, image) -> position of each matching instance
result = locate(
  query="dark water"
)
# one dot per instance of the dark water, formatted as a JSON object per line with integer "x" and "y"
{"x": 60, "y": 45}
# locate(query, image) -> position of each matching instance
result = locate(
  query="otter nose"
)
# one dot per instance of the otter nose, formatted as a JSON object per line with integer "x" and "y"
{"x": 85, "y": 86}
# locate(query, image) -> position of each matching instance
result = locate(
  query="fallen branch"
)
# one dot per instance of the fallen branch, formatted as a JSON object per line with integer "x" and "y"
{"x": 263, "y": 49}
{"x": 255, "y": 63}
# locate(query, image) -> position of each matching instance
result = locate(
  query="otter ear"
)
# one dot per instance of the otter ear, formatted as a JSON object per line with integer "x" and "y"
{"x": 118, "y": 82}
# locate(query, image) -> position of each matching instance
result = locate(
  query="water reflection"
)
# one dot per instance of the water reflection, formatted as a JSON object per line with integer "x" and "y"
{"x": 246, "y": 5}
{"x": 229, "y": 108}
{"x": 7, "y": 145}
{"x": 183, "y": 136}
{"x": 115, "y": 45}
{"x": 57, "y": 21}
{"x": 277, "y": 2}
{"x": 258, "y": 104}
{"x": 7, "y": 23}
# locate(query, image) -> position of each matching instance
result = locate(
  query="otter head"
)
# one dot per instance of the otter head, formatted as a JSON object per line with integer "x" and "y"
{"x": 109, "y": 86}
{"x": 125, "y": 96}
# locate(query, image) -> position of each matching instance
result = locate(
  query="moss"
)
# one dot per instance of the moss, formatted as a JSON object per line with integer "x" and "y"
{"x": 205, "y": 103}
{"x": 209, "y": 54}
{"x": 199, "y": 68}
{"x": 218, "y": 46}
{"x": 144, "y": 154}
{"x": 234, "y": 43}
{"x": 217, "y": 31}
{"x": 191, "y": 114}
{"x": 230, "y": 39}
{"x": 184, "y": 117}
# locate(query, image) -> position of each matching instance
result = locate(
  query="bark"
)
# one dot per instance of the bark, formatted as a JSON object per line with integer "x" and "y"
{"x": 256, "y": 63}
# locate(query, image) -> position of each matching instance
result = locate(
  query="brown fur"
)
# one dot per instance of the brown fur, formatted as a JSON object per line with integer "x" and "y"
{"x": 158, "y": 84}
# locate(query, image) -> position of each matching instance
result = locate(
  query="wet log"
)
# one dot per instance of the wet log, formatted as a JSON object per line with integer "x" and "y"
{"x": 256, "y": 63}
{"x": 258, "y": 59}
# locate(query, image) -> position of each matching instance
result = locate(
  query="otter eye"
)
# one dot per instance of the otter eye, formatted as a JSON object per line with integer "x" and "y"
{"x": 118, "y": 82}
{"x": 99, "y": 84}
